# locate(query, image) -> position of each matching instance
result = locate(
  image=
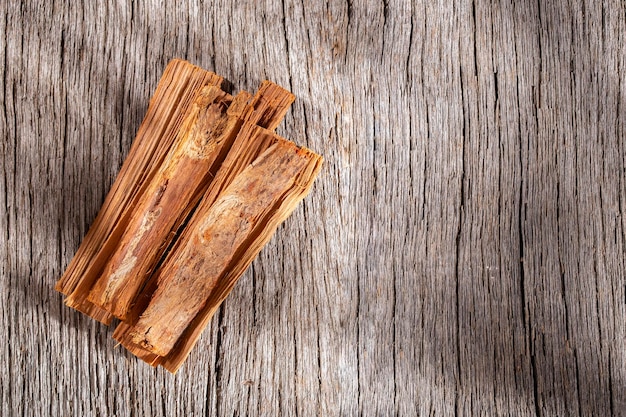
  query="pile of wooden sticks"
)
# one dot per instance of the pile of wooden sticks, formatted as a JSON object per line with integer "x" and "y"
{"x": 204, "y": 187}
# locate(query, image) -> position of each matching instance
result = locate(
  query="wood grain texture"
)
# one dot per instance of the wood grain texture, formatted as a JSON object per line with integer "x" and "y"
{"x": 465, "y": 243}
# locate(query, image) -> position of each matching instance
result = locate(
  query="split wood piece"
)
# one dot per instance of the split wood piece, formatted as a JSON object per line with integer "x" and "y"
{"x": 204, "y": 140}
{"x": 227, "y": 237}
{"x": 250, "y": 143}
{"x": 174, "y": 93}
{"x": 261, "y": 235}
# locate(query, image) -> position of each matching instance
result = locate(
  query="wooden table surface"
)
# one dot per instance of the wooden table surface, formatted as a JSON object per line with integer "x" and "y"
{"x": 462, "y": 253}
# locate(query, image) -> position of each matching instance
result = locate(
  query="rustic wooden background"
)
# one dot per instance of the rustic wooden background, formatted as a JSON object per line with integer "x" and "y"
{"x": 463, "y": 252}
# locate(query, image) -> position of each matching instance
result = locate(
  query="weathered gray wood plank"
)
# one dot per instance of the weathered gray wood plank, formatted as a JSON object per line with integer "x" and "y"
{"x": 463, "y": 251}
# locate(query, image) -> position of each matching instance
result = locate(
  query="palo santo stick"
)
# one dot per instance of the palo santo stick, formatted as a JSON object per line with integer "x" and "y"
{"x": 263, "y": 233}
{"x": 221, "y": 236}
{"x": 204, "y": 140}
{"x": 183, "y": 347}
{"x": 143, "y": 212}
{"x": 175, "y": 91}
{"x": 173, "y": 94}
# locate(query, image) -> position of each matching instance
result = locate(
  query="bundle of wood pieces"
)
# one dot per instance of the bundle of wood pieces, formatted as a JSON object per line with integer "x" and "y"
{"x": 204, "y": 187}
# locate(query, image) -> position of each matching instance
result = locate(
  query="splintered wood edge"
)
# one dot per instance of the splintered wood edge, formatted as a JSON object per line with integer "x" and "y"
{"x": 270, "y": 105}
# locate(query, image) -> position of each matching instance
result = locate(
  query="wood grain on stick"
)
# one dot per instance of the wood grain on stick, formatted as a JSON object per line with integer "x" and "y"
{"x": 239, "y": 214}
{"x": 263, "y": 232}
